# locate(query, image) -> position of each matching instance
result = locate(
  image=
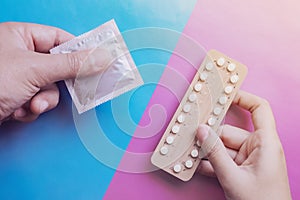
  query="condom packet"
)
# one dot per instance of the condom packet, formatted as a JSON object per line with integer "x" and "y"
{"x": 120, "y": 74}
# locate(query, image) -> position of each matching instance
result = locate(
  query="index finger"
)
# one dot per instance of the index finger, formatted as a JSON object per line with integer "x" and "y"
{"x": 46, "y": 37}
{"x": 262, "y": 115}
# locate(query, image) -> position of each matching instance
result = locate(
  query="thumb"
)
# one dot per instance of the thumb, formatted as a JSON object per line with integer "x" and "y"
{"x": 214, "y": 149}
{"x": 52, "y": 68}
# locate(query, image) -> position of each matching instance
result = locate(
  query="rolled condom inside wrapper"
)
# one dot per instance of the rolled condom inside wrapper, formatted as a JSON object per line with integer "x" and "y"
{"x": 108, "y": 70}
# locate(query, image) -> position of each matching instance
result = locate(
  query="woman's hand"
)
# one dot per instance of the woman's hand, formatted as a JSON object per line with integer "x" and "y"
{"x": 247, "y": 165}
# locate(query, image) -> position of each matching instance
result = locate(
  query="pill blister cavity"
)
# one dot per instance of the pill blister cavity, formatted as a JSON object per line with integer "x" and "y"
{"x": 181, "y": 118}
{"x": 198, "y": 87}
{"x": 217, "y": 110}
{"x": 203, "y": 76}
{"x": 211, "y": 121}
{"x": 223, "y": 100}
{"x": 221, "y": 61}
{"x": 177, "y": 168}
{"x": 188, "y": 164}
{"x": 198, "y": 143}
{"x": 209, "y": 66}
{"x": 187, "y": 108}
{"x": 194, "y": 153}
{"x": 175, "y": 129}
{"x": 164, "y": 150}
{"x": 170, "y": 139}
{"x": 231, "y": 67}
{"x": 228, "y": 89}
{"x": 192, "y": 97}
{"x": 234, "y": 79}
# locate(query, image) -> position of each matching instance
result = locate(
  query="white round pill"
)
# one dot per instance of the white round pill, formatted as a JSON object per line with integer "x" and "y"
{"x": 234, "y": 79}
{"x": 175, "y": 129}
{"x": 228, "y": 89}
{"x": 181, "y": 118}
{"x": 170, "y": 139}
{"x": 192, "y": 97}
{"x": 209, "y": 66}
{"x": 211, "y": 121}
{"x": 217, "y": 110}
{"x": 187, "y": 108}
{"x": 203, "y": 76}
{"x": 221, "y": 61}
{"x": 164, "y": 150}
{"x": 198, "y": 87}
{"x": 195, "y": 153}
{"x": 177, "y": 168}
{"x": 198, "y": 143}
{"x": 231, "y": 67}
{"x": 188, "y": 164}
{"x": 223, "y": 100}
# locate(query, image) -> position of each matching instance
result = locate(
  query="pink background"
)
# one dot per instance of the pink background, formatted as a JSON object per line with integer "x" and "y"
{"x": 265, "y": 36}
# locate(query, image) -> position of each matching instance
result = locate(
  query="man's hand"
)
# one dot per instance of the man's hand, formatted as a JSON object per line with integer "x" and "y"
{"x": 28, "y": 72}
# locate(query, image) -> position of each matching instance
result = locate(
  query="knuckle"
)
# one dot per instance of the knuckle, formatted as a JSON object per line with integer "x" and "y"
{"x": 265, "y": 102}
{"x": 214, "y": 152}
{"x": 225, "y": 126}
{"x": 223, "y": 132}
{"x": 73, "y": 63}
{"x": 258, "y": 139}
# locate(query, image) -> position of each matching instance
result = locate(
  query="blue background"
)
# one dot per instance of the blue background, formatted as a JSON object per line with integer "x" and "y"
{"x": 46, "y": 159}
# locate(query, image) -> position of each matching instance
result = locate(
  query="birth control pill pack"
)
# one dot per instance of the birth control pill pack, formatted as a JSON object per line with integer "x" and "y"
{"x": 206, "y": 101}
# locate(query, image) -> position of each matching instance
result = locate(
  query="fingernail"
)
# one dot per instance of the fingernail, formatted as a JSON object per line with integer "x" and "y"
{"x": 202, "y": 133}
{"x": 43, "y": 106}
{"x": 20, "y": 113}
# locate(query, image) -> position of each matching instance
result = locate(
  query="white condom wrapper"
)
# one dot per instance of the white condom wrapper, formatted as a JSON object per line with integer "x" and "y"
{"x": 119, "y": 76}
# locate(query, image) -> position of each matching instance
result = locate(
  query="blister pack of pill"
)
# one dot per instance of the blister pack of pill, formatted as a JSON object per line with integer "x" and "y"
{"x": 206, "y": 101}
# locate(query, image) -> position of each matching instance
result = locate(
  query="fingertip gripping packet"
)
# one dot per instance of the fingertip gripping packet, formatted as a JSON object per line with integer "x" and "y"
{"x": 120, "y": 74}
{"x": 206, "y": 101}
